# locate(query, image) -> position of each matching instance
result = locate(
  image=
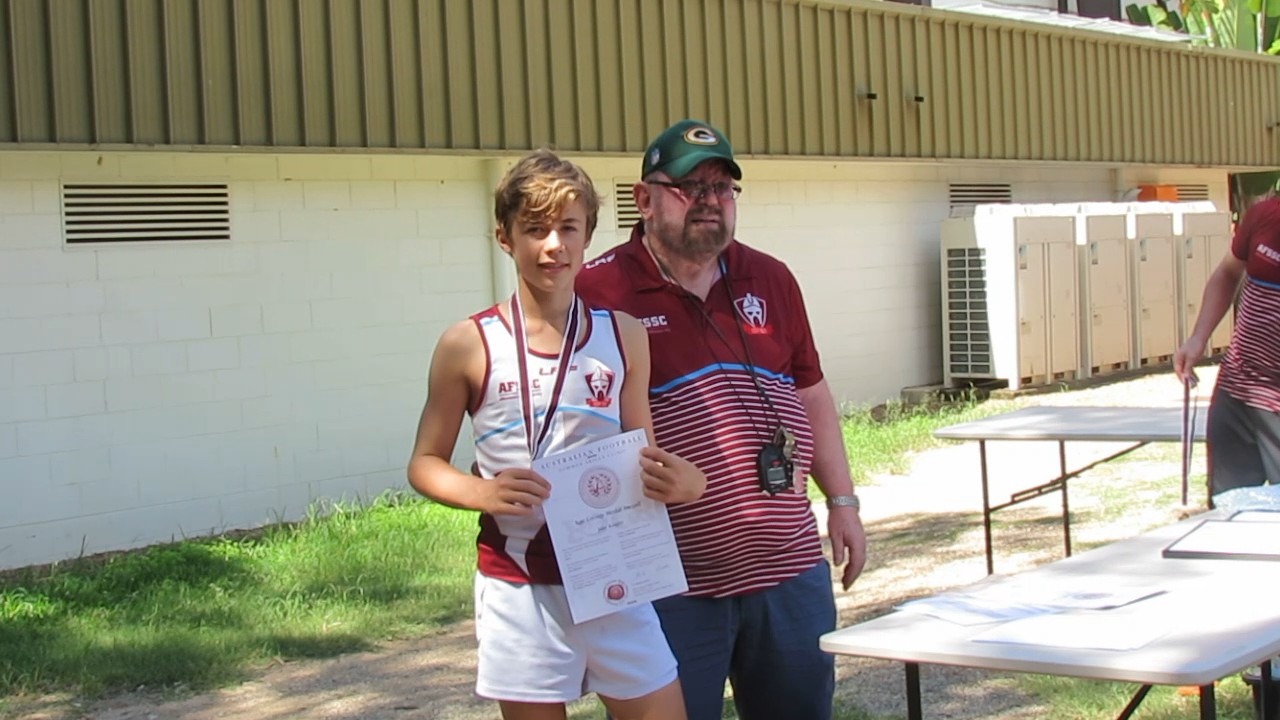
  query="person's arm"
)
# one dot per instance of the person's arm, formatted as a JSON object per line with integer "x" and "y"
{"x": 831, "y": 471}
{"x": 1219, "y": 292}
{"x": 667, "y": 478}
{"x": 459, "y": 357}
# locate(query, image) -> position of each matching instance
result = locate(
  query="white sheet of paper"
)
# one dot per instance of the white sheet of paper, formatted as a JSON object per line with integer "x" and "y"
{"x": 1105, "y": 630}
{"x": 615, "y": 547}
{"x": 1013, "y": 600}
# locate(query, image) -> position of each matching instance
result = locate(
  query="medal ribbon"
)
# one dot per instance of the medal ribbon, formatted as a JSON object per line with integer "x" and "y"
{"x": 535, "y": 436}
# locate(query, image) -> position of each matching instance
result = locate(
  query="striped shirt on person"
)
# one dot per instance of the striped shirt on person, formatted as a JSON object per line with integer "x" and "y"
{"x": 1250, "y": 372}
{"x": 709, "y": 409}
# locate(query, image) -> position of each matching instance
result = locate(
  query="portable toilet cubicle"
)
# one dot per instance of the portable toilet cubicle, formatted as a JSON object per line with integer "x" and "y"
{"x": 1010, "y": 289}
{"x": 1106, "y": 318}
{"x": 1206, "y": 239}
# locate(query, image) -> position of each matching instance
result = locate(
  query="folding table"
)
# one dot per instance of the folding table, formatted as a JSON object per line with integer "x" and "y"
{"x": 1136, "y": 425}
{"x": 1218, "y": 612}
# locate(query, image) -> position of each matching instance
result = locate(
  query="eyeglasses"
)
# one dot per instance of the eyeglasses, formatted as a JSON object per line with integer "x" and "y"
{"x": 695, "y": 190}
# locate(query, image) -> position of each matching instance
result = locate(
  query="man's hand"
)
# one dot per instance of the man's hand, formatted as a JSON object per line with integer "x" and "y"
{"x": 669, "y": 478}
{"x": 515, "y": 491}
{"x": 844, "y": 529}
{"x": 1186, "y": 357}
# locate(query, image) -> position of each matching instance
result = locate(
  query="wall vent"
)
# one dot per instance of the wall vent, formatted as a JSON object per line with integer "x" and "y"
{"x": 624, "y": 204}
{"x": 1192, "y": 192}
{"x": 137, "y": 212}
{"x": 970, "y": 194}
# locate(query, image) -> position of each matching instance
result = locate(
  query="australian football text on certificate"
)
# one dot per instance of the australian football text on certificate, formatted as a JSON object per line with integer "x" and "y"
{"x": 615, "y": 547}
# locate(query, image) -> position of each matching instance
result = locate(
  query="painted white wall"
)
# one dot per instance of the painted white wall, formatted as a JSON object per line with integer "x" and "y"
{"x": 152, "y": 392}
{"x": 148, "y": 393}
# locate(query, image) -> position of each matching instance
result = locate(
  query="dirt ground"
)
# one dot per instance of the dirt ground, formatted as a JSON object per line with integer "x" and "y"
{"x": 925, "y": 535}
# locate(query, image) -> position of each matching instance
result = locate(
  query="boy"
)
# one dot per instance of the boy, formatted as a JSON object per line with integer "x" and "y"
{"x": 539, "y": 375}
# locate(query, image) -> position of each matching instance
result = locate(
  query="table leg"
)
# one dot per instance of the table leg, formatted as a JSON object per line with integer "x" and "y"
{"x": 1134, "y": 703}
{"x": 1208, "y": 708}
{"x": 986, "y": 505}
{"x": 914, "y": 710}
{"x": 1266, "y": 699}
{"x": 1066, "y": 510}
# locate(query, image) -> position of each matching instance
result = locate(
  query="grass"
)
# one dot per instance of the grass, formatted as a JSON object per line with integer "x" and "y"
{"x": 1070, "y": 699}
{"x": 880, "y": 439}
{"x": 203, "y": 613}
{"x": 206, "y": 613}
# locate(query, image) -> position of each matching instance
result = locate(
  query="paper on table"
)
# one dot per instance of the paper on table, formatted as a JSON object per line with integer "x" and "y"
{"x": 1104, "y": 630}
{"x": 614, "y": 546}
{"x": 1005, "y": 601}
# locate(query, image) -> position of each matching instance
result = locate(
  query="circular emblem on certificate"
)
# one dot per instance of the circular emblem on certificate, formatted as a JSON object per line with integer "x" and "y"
{"x": 599, "y": 487}
{"x": 615, "y": 592}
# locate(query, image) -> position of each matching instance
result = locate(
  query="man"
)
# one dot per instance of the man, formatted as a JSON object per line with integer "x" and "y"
{"x": 737, "y": 389}
{"x": 1243, "y": 429}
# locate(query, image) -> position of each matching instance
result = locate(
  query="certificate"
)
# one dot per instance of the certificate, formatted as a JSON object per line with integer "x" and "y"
{"x": 615, "y": 547}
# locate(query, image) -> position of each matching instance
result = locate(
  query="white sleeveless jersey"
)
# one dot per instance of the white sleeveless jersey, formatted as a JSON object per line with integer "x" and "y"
{"x": 518, "y": 549}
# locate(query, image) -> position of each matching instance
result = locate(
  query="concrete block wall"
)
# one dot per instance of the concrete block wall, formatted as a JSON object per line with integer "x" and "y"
{"x": 176, "y": 389}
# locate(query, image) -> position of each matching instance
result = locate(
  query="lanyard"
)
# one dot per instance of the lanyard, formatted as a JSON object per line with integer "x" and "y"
{"x": 535, "y": 437}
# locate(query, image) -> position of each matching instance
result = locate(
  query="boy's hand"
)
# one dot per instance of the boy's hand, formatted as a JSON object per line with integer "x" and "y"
{"x": 669, "y": 478}
{"x": 515, "y": 491}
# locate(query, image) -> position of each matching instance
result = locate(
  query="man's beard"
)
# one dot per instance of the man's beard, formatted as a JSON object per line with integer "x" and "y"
{"x": 695, "y": 242}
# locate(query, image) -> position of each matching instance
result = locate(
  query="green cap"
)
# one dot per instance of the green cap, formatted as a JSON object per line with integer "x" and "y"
{"x": 685, "y": 145}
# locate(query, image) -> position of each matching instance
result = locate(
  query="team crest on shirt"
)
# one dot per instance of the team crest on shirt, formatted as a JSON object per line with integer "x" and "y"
{"x": 754, "y": 312}
{"x": 600, "y": 383}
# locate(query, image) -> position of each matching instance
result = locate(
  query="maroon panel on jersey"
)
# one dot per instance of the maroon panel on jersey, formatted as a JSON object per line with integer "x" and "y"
{"x": 1257, "y": 241}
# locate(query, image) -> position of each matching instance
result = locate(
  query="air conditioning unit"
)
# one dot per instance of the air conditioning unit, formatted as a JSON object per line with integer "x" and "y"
{"x": 1206, "y": 239}
{"x": 1009, "y": 301}
{"x": 1153, "y": 256}
{"x": 1106, "y": 322}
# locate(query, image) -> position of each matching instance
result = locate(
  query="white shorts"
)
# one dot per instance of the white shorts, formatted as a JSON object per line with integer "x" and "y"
{"x": 530, "y": 650}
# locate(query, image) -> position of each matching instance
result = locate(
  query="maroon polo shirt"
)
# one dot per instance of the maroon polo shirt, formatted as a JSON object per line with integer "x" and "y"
{"x": 724, "y": 376}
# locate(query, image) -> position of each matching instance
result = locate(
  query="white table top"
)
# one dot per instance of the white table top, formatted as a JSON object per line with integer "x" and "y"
{"x": 1221, "y": 618}
{"x": 1103, "y": 424}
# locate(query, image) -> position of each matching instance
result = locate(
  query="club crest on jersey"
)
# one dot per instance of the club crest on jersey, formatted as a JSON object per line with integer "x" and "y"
{"x": 600, "y": 383}
{"x": 754, "y": 313}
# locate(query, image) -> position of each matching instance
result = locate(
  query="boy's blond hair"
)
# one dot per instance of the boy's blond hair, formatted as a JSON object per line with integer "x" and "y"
{"x": 539, "y": 188}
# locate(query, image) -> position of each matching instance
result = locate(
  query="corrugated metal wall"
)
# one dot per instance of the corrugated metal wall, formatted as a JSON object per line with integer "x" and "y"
{"x": 780, "y": 77}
